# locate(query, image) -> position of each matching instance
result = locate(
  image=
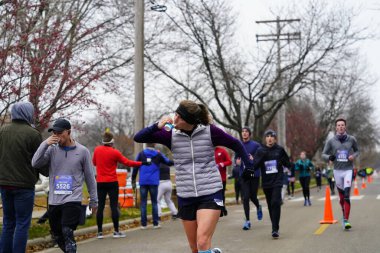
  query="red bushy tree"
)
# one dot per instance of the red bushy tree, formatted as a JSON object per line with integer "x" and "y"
{"x": 303, "y": 130}
{"x": 56, "y": 53}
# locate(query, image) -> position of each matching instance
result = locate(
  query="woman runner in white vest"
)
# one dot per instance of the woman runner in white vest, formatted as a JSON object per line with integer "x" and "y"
{"x": 198, "y": 183}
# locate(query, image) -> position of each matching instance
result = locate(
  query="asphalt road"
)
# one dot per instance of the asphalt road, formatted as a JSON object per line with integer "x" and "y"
{"x": 298, "y": 228}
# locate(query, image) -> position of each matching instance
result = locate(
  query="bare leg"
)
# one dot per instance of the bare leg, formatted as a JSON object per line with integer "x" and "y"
{"x": 207, "y": 220}
{"x": 191, "y": 233}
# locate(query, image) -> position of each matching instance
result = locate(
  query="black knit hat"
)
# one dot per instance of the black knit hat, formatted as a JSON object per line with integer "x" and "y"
{"x": 270, "y": 132}
{"x": 248, "y": 129}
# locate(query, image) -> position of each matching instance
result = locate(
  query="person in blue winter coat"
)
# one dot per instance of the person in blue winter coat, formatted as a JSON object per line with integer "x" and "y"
{"x": 149, "y": 180}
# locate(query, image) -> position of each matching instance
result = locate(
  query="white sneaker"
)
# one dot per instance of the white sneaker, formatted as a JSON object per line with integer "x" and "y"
{"x": 216, "y": 250}
{"x": 143, "y": 227}
{"x": 157, "y": 226}
{"x": 100, "y": 235}
{"x": 119, "y": 235}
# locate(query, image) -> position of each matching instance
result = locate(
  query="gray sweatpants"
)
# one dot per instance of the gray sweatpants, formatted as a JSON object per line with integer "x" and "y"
{"x": 165, "y": 190}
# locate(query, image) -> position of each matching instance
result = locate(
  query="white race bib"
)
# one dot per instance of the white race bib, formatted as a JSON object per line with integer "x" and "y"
{"x": 271, "y": 167}
{"x": 63, "y": 185}
{"x": 342, "y": 156}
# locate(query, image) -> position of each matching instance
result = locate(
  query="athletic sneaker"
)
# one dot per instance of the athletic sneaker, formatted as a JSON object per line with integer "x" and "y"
{"x": 305, "y": 203}
{"x": 247, "y": 225}
{"x": 309, "y": 202}
{"x": 174, "y": 217}
{"x": 259, "y": 213}
{"x": 216, "y": 250}
{"x": 156, "y": 226}
{"x": 347, "y": 225}
{"x": 143, "y": 227}
{"x": 275, "y": 234}
{"x": 100, "y": 235}
{"x": 119, "y": 235}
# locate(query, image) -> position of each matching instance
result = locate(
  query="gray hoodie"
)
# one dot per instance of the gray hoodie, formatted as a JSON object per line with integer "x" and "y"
{"x": 23, "y": 111}
{"x": 69, "y": 167}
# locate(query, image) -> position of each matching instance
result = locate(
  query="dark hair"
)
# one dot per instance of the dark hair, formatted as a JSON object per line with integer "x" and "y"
{"x": 340, "y": 119}
{"x": 199, "y": 111}
{"x": 248, "y": 129}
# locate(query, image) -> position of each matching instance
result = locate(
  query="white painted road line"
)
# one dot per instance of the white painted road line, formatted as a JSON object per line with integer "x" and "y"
{"x": 356, "y": 197}
{"x": 378, "y": 197}
{"x": 332, "y": 198}
{"x": 299, "y": 199}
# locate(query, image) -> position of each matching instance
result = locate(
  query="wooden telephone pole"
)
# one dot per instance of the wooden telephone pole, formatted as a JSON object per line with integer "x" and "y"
{"x": 277, "y": 37}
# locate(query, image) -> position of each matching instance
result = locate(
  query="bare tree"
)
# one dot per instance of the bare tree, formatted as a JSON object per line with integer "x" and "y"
{"x": 199, "y": 55}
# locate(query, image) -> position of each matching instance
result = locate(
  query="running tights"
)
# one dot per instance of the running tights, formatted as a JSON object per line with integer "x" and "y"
{"x": 344, "y": 200}
{"x": 249, "y": 190}
{"x": 305, "y": 184}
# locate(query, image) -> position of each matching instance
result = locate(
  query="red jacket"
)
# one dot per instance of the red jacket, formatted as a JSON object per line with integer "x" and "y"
{"x": 105, "y": 159}
{"x": 223, "y": 160}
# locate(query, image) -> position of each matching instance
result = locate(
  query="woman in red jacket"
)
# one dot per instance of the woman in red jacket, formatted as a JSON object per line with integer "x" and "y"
{"x": 106, "y": 158}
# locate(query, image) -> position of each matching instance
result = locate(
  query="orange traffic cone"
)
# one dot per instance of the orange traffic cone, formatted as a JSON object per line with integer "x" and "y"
{"x": 356, "y": 189}
{"x": 364, "y": 185}
{"x": 328, "y": 216}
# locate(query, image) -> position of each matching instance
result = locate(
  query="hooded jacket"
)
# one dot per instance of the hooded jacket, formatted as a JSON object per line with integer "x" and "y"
{"x": 18, "y": 143}
{"x": 150, "y": 174}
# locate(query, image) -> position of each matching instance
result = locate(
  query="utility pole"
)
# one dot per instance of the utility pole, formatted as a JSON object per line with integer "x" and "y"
{"x": 278, "y": 36}
{"x": 139, "y": 71}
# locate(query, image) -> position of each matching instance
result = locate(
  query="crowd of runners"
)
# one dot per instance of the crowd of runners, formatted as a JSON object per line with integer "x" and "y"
{"x": 200, "y": 162}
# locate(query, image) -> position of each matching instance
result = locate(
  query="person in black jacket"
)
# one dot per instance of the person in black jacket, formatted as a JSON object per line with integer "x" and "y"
{"x": 270, "y": 159}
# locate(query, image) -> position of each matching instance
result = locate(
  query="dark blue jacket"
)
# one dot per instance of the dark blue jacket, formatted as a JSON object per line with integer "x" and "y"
{"x": 251, "y": 147}
{"x": 150, "y": 174}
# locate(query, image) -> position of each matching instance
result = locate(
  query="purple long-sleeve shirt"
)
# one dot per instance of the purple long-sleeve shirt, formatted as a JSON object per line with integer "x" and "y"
{"x": 153, "y": 134}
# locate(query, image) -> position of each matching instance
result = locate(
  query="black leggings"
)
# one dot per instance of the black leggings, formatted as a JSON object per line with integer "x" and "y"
{"x": 273, "y": 197}
{"x": 305, "y": 183}
{"x": 332, "y": 185}
{"x": 237, "y": 189}
{"x": 291, "y": 186}
{"x": 112, "y": 189}
{"x": 249, "y": 190}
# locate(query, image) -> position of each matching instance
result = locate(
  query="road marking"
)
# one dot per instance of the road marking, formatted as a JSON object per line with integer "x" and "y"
{"x": 299, "y": 199}
{"x": 378, "y": 197}
{"x": 357, "y": 197}
{"x": 332, "y": 198}
{"x": 321, "y": 229}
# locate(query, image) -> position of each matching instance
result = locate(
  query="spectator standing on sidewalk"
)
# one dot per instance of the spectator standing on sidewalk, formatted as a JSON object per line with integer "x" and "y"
{"x": 149, "y": 180}
{"x": 106, "y": 158}
{"x": 18, "y": 143}
{"x": 165, "y": 189}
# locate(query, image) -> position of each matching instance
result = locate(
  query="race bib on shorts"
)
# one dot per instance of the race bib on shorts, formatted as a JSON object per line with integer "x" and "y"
{"x": 271, "y": 167}
{"x": 63, "y": 185}
{"x": 342, "y": 156}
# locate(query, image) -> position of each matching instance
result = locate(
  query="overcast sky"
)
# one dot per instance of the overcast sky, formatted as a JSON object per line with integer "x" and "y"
{"x": 253, "y": 10}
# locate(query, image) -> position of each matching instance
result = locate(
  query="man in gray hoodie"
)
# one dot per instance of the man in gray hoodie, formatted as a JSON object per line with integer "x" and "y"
{"x": 69, "y": 167}
{"x": 342, "y": 150}
{"x": 18, "y": 142}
